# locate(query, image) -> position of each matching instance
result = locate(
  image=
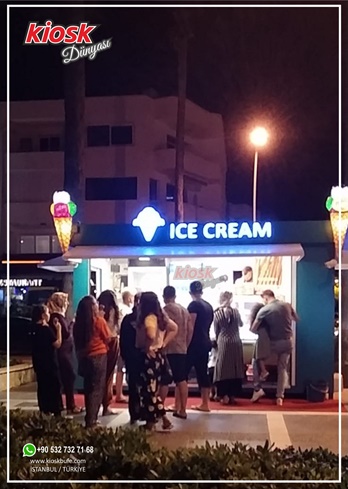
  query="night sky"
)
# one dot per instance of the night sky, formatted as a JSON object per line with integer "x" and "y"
{"x": 276, "y": 67}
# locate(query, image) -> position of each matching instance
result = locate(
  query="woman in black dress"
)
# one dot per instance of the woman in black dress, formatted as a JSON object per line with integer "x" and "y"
{"x": 229, "y": 369}
{"x": 58, "y": 305}
{"x": 45, "y": 363}
{"x": 108, "y": 303}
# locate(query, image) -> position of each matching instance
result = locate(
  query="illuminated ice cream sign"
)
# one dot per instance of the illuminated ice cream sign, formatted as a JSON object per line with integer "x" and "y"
{"x": 221, "y": 230}
{"x": 149, "y": 220}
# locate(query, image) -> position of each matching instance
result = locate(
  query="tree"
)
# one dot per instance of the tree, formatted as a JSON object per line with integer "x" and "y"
{"x": 74, "y": 140}
{"x": 181, "y": 39}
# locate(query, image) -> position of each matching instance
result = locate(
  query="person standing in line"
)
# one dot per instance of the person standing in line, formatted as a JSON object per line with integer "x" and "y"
{"x": 58, "y": 304}
{"x": 45, "y": 344}
{"x": 154, "y": 332}
{"x": 211, "y": 369}
{"x": 262, "y": 349}
{"x": 126, "y": 307}
{"x": 108, "y": 304}
{"x": 202, "y": 315}
{"x": 278, "y": 316}
{"x": 132, "y": 359}
{"x": 176, "y": 351}
{"x": 229, "y": 369}
{"x": 92, "y": 335}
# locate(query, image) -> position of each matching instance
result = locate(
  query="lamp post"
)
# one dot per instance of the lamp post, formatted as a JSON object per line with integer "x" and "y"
{"x": 258, "y": 137}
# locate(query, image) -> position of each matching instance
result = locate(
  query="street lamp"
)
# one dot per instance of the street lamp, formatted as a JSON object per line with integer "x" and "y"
{"x": 258, "y": 137}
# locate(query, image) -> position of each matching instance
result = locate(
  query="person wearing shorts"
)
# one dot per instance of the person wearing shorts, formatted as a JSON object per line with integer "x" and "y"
{"x": 202, "y": 315}
{"x": 176, "y": 353}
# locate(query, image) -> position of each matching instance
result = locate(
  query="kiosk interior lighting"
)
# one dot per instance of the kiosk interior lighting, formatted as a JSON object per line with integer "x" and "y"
{"x": 259, "y": 136}
{"x": 144, "y": 258}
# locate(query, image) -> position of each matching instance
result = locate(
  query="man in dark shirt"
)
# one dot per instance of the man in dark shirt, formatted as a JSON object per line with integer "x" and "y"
{"x": 202, "y": 316}
{"x": 279, "y": 316}
{"x": 131, "y": 357}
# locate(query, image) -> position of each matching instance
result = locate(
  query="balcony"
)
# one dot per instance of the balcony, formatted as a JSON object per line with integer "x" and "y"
{"x": 195, "y": 166}
{"x": 37, "y": 161}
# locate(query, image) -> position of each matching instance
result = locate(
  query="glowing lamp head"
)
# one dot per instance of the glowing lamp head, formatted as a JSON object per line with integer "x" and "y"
{"x": 259, "y": 136}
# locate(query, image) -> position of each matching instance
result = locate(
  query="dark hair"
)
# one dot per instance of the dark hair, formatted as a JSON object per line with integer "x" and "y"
{"x": 149, "y": 304}
{"x": 196, "y": 287}
{"x": 247, "y": 269}
{"x": 108, "y": 299}
{"x": 137, "y": 299}
{"x": 268, "y": 293}
{"x": 256, "y": 308}
{"x": 38, "y": 312}
{"x": 84, "y": 322}
{"x": 169, "y": 292}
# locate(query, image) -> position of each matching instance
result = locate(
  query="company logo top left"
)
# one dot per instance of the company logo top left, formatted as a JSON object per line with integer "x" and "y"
{"x": 58, "y": 34}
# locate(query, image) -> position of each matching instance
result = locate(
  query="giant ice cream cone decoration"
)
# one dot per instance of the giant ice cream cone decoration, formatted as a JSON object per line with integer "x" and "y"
{"x": 63, "y": 210}
{"x": 337, "y": 205}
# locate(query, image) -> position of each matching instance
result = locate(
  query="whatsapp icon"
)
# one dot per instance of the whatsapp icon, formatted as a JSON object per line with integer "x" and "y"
{"x": 29, "y": 450}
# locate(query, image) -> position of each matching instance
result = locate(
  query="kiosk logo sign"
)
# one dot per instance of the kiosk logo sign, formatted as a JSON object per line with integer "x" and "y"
{"x": 192, "y": 273}
{"x": 76, "y": 37}
{"x": 149, "y": 220}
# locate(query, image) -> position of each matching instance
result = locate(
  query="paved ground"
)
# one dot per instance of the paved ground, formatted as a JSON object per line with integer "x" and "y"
{"x": 305, "y": 430}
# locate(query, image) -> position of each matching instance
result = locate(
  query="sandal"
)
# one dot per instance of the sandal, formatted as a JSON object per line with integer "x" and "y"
{"x": 76, "y": 410}
{"x": 179, "y": 415}
{"x": 167, "y": 425}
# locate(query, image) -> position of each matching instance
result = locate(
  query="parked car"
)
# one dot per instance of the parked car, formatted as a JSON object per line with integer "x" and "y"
{"x": 20, "y": 335}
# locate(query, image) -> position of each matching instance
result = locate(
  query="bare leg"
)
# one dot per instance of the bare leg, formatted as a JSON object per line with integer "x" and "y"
{"x": 119, "y": 387}
{"x": 262, "y": 368}
{"x": 205, "y": 391}
{"x": 181, "y": 395}
{"x": 176, "y": 406}
{"x": 163, "y": 392}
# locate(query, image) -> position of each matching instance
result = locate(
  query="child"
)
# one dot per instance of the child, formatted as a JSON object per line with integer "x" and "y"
{"x": 45, "y": 362}
{"x": 262, "y": 349}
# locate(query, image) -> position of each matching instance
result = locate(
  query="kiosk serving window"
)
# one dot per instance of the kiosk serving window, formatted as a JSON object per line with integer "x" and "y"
{"x": 245, "y": 277}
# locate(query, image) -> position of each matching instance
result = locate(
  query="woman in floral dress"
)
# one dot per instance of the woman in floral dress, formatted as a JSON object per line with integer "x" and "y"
{"x": 154, "y": 331}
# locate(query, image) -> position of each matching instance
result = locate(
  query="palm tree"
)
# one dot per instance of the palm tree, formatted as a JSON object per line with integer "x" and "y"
{"x": 181, "y": 38}
{"x": 74, "y": 135}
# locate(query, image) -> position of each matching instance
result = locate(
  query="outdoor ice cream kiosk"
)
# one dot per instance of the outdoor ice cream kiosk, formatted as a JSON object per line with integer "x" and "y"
{"x": 287, "y": 257}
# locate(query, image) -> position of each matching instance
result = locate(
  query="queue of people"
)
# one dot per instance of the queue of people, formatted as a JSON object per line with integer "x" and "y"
{"x": 156, "y": 346}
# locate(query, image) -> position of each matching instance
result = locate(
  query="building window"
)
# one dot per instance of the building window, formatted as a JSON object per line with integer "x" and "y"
{"x": 44, "y": 144}
{"x": 121, "y": 135}
{"x": 55, "y": 246}
{"x": 171, "y": 142}
{"x": 42, "y": 244}
{"x": 112, "y": 188}
{"x": 50, "y": 144}
{"x": 153, "y": 190}
{"x": 98, "y": 136}
{"x": 25, "y": 145}
{"x": 171, "y": 194}
{"x": 55, "y": 144}
{"x": 27, "y": 244}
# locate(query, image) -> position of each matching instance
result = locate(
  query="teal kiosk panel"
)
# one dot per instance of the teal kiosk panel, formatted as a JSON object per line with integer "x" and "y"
{"x": 80, "y": 289}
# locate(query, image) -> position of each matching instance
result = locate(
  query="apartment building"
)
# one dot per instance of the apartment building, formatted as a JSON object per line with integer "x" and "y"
{"x": 129, "y": 162}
